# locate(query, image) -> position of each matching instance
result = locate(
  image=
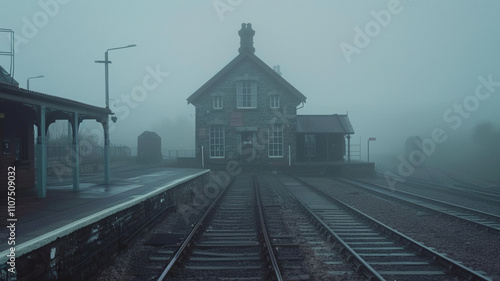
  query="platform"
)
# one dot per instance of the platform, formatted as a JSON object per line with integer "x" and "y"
{"x": 40, "y": 221}
{"x": 332, "y": 168}
{"x": 354, "y": 168}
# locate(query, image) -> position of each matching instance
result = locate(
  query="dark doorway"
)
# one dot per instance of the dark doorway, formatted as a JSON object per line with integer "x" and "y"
{"x": 246, "y": 145}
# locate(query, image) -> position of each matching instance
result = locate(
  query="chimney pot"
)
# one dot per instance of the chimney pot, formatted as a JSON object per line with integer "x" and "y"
{"x": 246, "y": 39}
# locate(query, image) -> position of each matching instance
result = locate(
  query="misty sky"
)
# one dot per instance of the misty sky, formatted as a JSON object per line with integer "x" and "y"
{"x": 410, "y": 72}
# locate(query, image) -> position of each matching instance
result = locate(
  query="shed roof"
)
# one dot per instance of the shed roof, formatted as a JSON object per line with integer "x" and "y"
{"x": 335, "y": 123}
{"x": 149, "y": 134}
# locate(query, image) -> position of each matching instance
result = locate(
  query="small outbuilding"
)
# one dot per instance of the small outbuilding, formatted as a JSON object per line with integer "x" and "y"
{"x": 149, "y": 147}
{"x": 322, "y": 137}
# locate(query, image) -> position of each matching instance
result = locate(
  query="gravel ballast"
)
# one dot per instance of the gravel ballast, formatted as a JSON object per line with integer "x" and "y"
{"x": 475, "y": 248}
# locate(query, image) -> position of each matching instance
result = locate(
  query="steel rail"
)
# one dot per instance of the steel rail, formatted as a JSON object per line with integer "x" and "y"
{"x": 488, "y": 196}
{"x": 264, "y": 233}
{"x": 451, "y": 265}
{"x": 461, "y": 181}
{"x": 468, "y": 211}
{"x": 345, "y": 250}
{"x": 194, "y": 233}
{"x": 483, "y": 194}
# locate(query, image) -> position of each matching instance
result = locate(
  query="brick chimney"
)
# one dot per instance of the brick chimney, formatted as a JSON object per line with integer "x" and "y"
{"x": 246, "y": 38}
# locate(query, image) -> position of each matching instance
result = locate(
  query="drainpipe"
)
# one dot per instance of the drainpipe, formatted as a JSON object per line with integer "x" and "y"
{"x": 202, "y": 158}
{"x": 289, "y": 157}
{"x": 348, "y": 148}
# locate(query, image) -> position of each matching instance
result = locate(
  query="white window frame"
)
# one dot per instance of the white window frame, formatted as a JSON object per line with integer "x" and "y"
{"x": 218, "y": 102}
{"x": 246, "y": 94}
{"x": 275, "y": 141}
{"x": 216, "y": 140}
{"x": 274, "y": 101}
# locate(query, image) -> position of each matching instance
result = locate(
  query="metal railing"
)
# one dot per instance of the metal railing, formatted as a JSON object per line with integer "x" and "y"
{"x": 55, "y": 153}
{"x": 190, "y": 153}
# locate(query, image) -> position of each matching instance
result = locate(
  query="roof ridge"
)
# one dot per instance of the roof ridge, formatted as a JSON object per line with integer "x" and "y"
{"x": 232, "y": 64}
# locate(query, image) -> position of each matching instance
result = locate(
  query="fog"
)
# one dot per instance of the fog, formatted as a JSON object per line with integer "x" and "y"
{"x": 399, "y": 68}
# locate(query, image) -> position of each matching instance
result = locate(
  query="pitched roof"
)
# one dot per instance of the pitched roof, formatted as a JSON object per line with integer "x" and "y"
{"x": 338, "y": 124}
{"x": 149, "y": 134}
{"x": 232, "y": 64}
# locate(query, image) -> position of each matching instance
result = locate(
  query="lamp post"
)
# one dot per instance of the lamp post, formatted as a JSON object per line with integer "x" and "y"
{"x": 106, "y": 123}
{"x": 28, "y": 81}
{"x": 368, "y": 152}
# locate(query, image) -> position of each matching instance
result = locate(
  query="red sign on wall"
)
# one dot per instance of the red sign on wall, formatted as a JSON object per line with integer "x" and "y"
{"x": 236, "y": 119}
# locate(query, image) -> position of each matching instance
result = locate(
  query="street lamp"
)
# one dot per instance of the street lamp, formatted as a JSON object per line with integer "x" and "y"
{"x": 106, "y": 72}
{"x": 370, "y": 139}
{"x": 28, "y": 81}
{"x": 106, "y": 124}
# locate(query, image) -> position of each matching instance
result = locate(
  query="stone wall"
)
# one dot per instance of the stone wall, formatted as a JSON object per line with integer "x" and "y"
{"x": 235, "y": 120}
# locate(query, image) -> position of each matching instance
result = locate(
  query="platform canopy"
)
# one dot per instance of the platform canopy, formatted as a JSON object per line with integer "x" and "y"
{"x": 34, "y": 108}
{"x": 316, "y": 124}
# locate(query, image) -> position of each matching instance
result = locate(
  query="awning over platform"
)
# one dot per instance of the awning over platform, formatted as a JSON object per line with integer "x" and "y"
{"x": 337, "y": 124}
{"x": 21, "y": 107}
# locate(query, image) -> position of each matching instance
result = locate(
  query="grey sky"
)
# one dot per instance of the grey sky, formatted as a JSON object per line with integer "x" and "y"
{"x": 425, "y": 59}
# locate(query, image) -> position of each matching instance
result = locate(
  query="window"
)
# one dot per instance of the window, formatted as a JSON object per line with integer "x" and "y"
{"x": 246, "y": 94}
{"x": 310, "y": 145}
{"x": 275, "y": 141}
{"x": 19, "y": 150}
{"x": 217, "y": 101}
{"x": 274, "y": 101}
{"x": 216, "y": 141}
{"x": 6, "y": 147}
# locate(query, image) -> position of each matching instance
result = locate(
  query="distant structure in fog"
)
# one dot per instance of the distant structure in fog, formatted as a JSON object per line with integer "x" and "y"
{"x": 149, "y": 147}
{"x": 414, "y": 144}
{"x": 248, "y": 111}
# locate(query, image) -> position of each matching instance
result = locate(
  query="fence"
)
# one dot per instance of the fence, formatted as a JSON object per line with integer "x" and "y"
{"x": 179, "y": 153}
{"x": 355, "y": 151}
{"x": 56, "y": 153}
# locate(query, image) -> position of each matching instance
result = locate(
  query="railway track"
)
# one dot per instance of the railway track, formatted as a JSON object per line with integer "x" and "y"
{"x": 319, "y": 259}
{"x": 482, "y": 193}
{"x": 285, "y": 245}
{"x": 484, "y": 220}
{"x": 376, "y": 250}
{"x": 230, "y": 241}
{"x": 449, "y": 179}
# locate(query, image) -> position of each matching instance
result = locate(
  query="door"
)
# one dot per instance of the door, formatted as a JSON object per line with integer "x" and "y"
{"x": 246, "y": 148}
